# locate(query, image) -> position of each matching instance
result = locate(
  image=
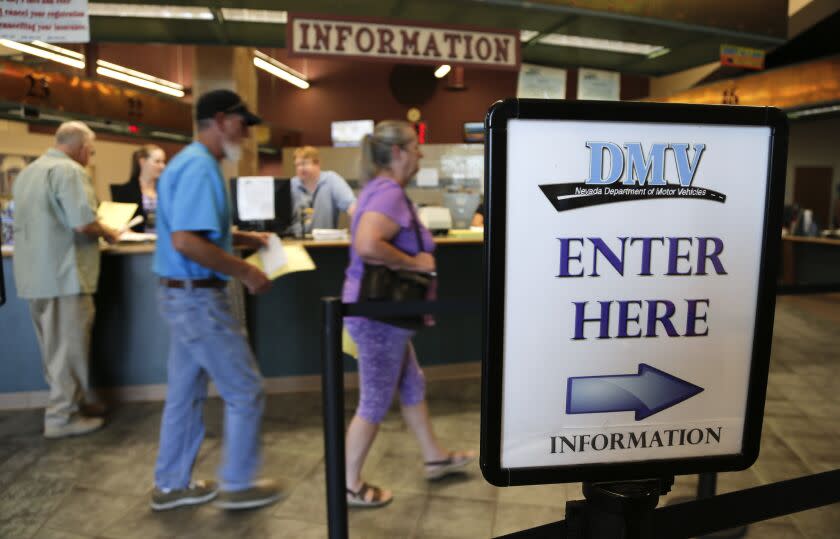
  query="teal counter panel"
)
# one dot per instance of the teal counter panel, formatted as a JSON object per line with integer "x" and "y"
{"x": 131, "y": 340}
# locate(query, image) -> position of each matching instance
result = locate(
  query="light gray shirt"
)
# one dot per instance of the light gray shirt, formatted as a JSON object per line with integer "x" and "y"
{"x": 54, "y": 195}
{"x": 331, "y": 196}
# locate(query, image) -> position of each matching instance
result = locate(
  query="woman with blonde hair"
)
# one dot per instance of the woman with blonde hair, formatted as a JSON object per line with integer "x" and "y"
{"x": 386, "y": 232}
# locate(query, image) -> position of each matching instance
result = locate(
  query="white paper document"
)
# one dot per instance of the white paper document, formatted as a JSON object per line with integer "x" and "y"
{"x": 273, "y": 257}
{"x": 427, "y": 177}
{"x": 255, "y": 198}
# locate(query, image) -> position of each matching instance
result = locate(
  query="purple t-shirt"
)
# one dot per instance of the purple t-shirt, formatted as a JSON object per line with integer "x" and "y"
{"x": 385, "y": 196}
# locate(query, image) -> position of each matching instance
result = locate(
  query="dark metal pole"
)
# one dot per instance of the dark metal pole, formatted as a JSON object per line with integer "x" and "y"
{"x": 333, "y": 395}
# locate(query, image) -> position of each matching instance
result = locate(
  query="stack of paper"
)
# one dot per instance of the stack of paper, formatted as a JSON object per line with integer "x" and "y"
{"x": 277, "y": 259}
{"x": 116, "y": 214}
{"x": 329, "y": 234}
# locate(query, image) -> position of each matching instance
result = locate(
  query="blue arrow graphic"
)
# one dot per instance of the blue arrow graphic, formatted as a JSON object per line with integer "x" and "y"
{"x": 646, "y": 393}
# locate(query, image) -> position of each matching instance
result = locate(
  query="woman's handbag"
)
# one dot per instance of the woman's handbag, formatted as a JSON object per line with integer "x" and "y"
{"x": 380, "y": 283}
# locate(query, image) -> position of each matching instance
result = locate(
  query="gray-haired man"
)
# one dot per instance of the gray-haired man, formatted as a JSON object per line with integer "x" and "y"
{"x": 56, "y": 267}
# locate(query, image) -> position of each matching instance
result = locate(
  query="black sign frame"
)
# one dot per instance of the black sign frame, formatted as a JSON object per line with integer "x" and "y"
{"x": 495, "y": 165}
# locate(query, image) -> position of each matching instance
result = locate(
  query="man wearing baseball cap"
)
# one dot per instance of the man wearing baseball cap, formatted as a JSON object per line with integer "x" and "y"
{"x": 194, "y": 260}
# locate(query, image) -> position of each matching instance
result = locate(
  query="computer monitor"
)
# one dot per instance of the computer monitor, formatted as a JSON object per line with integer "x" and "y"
{"x": 283, "y": 211}
{"x": 350, "y": 132}
{"x": 462, "y": 206}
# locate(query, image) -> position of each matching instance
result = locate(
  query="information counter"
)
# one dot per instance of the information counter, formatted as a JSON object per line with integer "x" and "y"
{"x": 808, "y": 260}
{"x": 130, "y": 338}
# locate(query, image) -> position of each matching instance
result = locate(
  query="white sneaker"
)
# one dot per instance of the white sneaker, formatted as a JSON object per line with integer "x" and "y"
{"x": 75, "y": 427}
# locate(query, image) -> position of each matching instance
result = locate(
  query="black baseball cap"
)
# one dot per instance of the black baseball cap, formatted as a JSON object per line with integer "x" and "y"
{"x": 226, "y": 101}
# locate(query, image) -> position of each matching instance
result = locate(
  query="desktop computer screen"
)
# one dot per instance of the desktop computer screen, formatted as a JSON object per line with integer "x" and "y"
{"x": 462, "y": 206}
{"x": 251, "y": 201}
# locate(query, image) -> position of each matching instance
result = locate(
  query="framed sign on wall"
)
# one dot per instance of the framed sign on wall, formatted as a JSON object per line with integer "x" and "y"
{"x": 631, "y": 257}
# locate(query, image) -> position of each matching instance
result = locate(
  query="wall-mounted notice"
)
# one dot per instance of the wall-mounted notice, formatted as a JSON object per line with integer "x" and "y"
{"x": 50, "y": 21}
{"x": 631, "y": 288}
{"x": 540, "y": 82}
{"x": 594, "y": 84}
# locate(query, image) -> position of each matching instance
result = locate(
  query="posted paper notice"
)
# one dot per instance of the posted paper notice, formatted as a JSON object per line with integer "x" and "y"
{"x": 255, "y": 198}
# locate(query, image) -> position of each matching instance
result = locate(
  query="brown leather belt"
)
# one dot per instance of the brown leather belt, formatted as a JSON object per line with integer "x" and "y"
{"x": 195, "y": 283}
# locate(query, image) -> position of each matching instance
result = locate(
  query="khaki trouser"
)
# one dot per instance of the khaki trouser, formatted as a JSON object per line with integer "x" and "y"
{"x": 63, "y": 326}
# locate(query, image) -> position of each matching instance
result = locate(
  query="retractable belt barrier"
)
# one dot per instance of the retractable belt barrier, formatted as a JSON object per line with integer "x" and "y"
{"x": 622, "y": 514}
{"x": 333, "y": 312}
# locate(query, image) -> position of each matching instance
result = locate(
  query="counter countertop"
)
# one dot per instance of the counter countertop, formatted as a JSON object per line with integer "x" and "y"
{"x": 149, "y": 247}
{"x": 807, "y": 239}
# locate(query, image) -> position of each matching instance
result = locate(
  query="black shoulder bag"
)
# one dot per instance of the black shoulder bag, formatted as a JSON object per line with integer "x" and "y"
{"x": 380, "y": 283}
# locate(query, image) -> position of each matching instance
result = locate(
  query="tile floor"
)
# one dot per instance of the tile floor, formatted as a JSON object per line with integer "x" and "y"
{"x": 98, "y": 486}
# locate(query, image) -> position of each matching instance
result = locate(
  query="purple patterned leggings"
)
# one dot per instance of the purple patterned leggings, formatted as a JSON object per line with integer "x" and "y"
{"x": 386, "y": 362}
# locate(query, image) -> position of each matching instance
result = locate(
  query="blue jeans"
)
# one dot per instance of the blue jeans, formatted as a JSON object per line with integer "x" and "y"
{"x": 207, "y": 342}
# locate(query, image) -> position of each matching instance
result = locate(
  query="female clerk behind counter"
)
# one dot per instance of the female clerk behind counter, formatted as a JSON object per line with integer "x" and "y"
{"x": 147, "y": 164}
{"x": 318, "y": 196}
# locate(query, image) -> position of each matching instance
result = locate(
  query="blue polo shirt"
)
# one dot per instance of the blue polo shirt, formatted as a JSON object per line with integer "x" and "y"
{"x": 191, "y": 197}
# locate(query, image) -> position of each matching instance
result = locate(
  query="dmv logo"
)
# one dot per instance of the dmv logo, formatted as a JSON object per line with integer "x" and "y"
{"x": 641, "y": 169}
{"x": 626, "y": 172}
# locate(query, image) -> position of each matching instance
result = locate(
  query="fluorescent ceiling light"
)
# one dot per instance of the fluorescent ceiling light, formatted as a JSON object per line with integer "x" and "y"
{"x": 812, "y": 112}
{"x": 150, "y": 11}
{"x": 59, "y": 50}
{"x": 527, "y": 35}
{"x": 662, "y": 51}
{"x": 442, "y": 71}
{"x": 137, "y": 78}
{"x": 49, "y": 55}
{"x": 563, "y": 40}
{"x": 254, "y": 15}
{"x": 139, "y": 74}
{"x": 280, "y": 70}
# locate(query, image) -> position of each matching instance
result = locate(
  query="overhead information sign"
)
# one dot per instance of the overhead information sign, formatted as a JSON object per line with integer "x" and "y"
{"x": 632, "y": 254}
{"x": 50, "y": 21}
{"x": 384, "y": 40}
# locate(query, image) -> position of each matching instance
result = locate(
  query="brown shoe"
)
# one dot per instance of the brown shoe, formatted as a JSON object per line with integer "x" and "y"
{"x": 263, "y": 492}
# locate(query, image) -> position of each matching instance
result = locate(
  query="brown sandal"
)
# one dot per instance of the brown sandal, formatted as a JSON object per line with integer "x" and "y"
{"x": 454, "y": 463}
{"x": 360, "y": 498}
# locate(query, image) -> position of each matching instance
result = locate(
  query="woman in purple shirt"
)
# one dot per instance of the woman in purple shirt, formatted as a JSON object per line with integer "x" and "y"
{"x": 383, "y": 233}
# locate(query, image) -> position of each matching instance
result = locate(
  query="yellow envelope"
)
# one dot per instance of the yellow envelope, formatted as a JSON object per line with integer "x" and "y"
{"x": 116, "y": 214}
{"x": 297, "y": 259}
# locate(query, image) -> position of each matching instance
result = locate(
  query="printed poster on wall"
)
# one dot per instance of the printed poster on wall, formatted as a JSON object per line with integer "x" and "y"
{"x": 631, "y": 283}
{"x": 50, "y": 21}
{"x": 598, "y": 85}
{"x": 540, "y": 82}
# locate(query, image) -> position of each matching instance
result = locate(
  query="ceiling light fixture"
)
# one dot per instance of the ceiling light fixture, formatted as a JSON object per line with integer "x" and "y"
{"x": 813, "y": 111}
{"x": 59, "y": 50}
{"x": 657, "y": 53}
{"x": 442, "y": 71}
{"x": 527, "y": 35}
{"x": 580, "y": 42}
{"x": 280, "y": 70}
{"x": 255, "y": 15}
{"x": 49, "y": 55}
{"x": 138, "y": 78}
{"x": 98, "y": 9}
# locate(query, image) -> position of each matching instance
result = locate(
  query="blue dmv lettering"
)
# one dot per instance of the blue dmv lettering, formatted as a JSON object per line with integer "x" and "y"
{"x": 641, "y": 170}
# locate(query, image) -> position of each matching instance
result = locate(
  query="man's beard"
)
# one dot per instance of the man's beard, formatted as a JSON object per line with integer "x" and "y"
{"x": 232, "y": 151}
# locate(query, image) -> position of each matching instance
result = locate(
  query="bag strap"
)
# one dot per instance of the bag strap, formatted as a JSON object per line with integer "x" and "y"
{"x": 414, "y": 223}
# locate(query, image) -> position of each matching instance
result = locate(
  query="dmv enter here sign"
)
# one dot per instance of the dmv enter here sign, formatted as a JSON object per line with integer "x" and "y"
{"x": 632, "y": 255}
